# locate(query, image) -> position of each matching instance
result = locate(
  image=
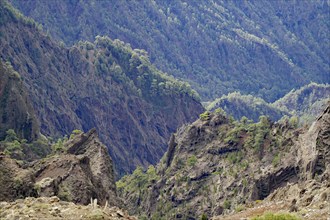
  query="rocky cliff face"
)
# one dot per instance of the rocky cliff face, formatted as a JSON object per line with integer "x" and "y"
{"x": 16, "y": 111}
{"x": 105, "y": 84}
{"x": 215, "y": 166}
{"x": 83, "y": 173}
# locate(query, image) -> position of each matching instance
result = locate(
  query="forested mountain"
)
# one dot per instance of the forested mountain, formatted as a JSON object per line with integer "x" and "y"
{"x": 105, "y": 84}
{"x": 78, "y": 70}
{"x": 239, "y": 106}
{"x": 263, "y": 48}
{"x": 306, "y": 102}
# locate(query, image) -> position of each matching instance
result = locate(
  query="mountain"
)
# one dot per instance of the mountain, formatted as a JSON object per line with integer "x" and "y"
{"x": 16, "y": 110}
{"x": 262, "y": 48}
{"x": 105, "y": 84}
{"x": 216, "y": 166}
{"x": 306, "y": 102}
{"x": 238, "y": 106}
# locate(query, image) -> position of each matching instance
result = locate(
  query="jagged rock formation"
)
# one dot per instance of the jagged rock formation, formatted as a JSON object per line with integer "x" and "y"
{"x": 85, "y": 172}
{"x": 215, "y": 166}
{"x": 16, "y": 111}
{"x": 105, "y": 84}
{"x": 53, "y": 208}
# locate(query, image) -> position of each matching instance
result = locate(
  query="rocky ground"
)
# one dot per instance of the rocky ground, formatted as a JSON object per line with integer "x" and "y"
{"x": 53, "y": 208}
{"x": 306, "y": 201}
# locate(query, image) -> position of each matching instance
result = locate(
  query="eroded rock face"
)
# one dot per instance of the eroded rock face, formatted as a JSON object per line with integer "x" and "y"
{"x": 16, "y": 111}
{"x": 85, "y": 172}
{"x": 213, "y": 166}
{"x": 15, "y": 181}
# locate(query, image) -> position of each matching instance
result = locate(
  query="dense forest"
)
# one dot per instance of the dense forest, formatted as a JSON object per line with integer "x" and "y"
{"x": 260, "y": 48}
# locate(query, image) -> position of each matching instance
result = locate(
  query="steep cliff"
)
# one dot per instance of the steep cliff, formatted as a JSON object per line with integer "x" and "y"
{"x": 216, "y": 166}
{"x": 16, "y": 111}
{"x": 105, "y": 84}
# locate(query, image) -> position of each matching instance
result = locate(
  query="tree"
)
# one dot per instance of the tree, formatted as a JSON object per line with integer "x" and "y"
{"x": 11, "y": 136}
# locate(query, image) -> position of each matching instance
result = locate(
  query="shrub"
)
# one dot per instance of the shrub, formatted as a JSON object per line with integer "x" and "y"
{"x": 11, "y": 135}
{"x": 205, "y": 116}
{"x": 239, "y": 208}
{"x": 204, "y": 217}
{"x": 227, "y": 204}
{"x": 192, "y": 160}
{"x": 276, "y": 160}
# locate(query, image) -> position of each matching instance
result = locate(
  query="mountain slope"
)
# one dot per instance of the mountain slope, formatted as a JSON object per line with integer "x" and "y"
{"x": 239, "y": 105}
{"x": 105, "y": 84}
{"x": 16, "y": 111}
{"x": 306, "y": 102}
{"x": 215, "y": 166}
{"x": 263, "y": 48}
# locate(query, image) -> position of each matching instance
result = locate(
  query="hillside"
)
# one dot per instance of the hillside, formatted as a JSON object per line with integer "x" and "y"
{"x": 238, "y": 105}
{"x": 262, "y": 48}
{"x": 216, "y": 166}
{"x": 16, "y": 110}
{"x": 306, "y": 102}
{"x": 105, "y": 84}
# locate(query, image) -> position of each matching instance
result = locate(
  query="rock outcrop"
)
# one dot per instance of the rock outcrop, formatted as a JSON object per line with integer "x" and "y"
{"x": 215, "y": 166}
{"x": 83, "y": 172}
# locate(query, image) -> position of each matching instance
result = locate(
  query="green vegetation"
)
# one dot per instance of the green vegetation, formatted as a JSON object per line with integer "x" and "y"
{"x": 75, "y": 132}
{"x": 276, "y": 160}
{"x": 204, "y": 217}
{"x": 22, "y": 150}
{"x": 205, "y": 116}
{"x": 225, "y": 54}
{"x": 227, "y": 204}
{"x": 306, "y": 102}
{"x": 134, "y": 69}
{"x": 239, "y": 208}
{"x": 58, "y": 147}
{"x": 138, "y": 180}
{"x": 192, "y": 160}
{"x": 105, "y": 83}
{"x": 277, "y": 216}
{"x": 16, "y": 15}
{"x": 240, "y": 106}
